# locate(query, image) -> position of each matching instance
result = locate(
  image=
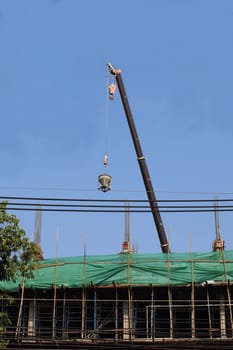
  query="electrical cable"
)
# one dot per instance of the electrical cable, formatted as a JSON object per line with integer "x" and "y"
{"x": 117, "y": 211}
{"x": 92, "y": 209}
{"x": 114, "y": 200}
{"x": 116, "y": 205}
{"x": 74, "y": 189}
{"x": 123, "y": 206}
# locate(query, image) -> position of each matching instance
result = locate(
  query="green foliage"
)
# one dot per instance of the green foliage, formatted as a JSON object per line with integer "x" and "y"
{"x": 4, "y": 320}
{"x": 18, "y": 256}
{"x": 3, "y": 342}
{"x": 4, "y": 323}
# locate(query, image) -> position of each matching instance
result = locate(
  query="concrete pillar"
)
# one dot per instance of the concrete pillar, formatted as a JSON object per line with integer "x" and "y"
{"x": 32, "y": 319}
{"x": 222, "y": 317}
{"x": 126, "y": 321}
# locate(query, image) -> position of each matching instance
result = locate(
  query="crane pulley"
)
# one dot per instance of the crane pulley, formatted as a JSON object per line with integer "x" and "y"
{"x": 111, "y": 91}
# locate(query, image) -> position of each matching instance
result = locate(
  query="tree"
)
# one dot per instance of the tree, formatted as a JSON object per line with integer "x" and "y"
{"x": 4, "y": 320}
{"x": 18, "y": 258}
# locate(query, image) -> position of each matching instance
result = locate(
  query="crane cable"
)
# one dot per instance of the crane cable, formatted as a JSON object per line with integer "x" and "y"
{"x": 106, "y": 122}
{"x": 106, "y": 125}
{"x": 104, "y": 179}
{"x": 110, "y": 91}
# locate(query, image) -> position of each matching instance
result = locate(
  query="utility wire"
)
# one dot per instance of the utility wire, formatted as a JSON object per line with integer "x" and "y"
{"x": 116, "y": 211}
{"x": 114, "y": 200}
{"x": 123, "y": 206}
{"x": 115, "y": 205}
{"x": 74, "y": 189}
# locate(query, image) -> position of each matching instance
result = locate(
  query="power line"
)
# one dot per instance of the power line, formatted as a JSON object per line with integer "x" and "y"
{"x": 113, "y": 200}
{"x": 117, "y": 211}
{"x": 122, "y": 206}
{"x": 74, "y": 189}
{"x": 86, "y": 205}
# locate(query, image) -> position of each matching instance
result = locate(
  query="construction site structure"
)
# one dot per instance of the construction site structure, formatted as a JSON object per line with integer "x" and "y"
{"x": 218, "y": 243}
{"x": 37, "y": 229}
{"x": 125, "y": 301}
{"x": 126, "y": 245}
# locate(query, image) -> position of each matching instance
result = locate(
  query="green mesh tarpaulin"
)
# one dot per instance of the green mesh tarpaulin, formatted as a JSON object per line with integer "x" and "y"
{"x": 129, "y": 269}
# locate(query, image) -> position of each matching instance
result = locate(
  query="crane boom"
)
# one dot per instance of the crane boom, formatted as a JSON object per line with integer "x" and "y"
{"x": 141, "y": 161}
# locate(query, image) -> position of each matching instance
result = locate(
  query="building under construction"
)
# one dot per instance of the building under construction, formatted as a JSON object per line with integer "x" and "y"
{"x": 128, "y": 300}
{"x": 125, "y": 300}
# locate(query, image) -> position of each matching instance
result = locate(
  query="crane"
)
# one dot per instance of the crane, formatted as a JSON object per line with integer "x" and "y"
{"x": 141, "y": 161}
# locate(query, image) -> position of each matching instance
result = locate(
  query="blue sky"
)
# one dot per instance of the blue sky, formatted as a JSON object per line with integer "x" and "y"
{"x": 176, "y": 57}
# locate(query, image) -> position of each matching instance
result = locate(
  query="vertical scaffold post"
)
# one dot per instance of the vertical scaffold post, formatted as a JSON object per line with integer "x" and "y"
{"x": 152, "y": 326}
{"x": 95, "y": 311}
{"x": 54, "y": 310}
{"x": 169, "y": 291}
{"x": 116, "y": 312}
{"x": 83, "y": 331}
{"x": 64, "y": 316}
{"x": 228, "y": 289}
{"x": 193, "y": 322}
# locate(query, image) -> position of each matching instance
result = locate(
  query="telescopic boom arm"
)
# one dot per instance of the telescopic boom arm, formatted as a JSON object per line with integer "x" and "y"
{"x": 141, "y": 161}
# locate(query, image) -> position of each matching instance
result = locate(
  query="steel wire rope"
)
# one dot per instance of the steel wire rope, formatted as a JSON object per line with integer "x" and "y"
{"x": 106, "y": 120}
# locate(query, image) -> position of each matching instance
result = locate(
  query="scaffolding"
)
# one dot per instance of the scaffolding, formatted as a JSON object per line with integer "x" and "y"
{"x": 128, "y": 312}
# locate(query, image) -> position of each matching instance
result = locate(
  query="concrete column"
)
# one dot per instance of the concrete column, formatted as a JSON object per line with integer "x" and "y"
{"x": 32, "y": 319}
{"x": 126, "y": 321}
{"x": 222, "y": 317}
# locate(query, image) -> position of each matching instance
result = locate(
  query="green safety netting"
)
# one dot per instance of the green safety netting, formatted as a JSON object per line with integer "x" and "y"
{"x": 129, "y": 269}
